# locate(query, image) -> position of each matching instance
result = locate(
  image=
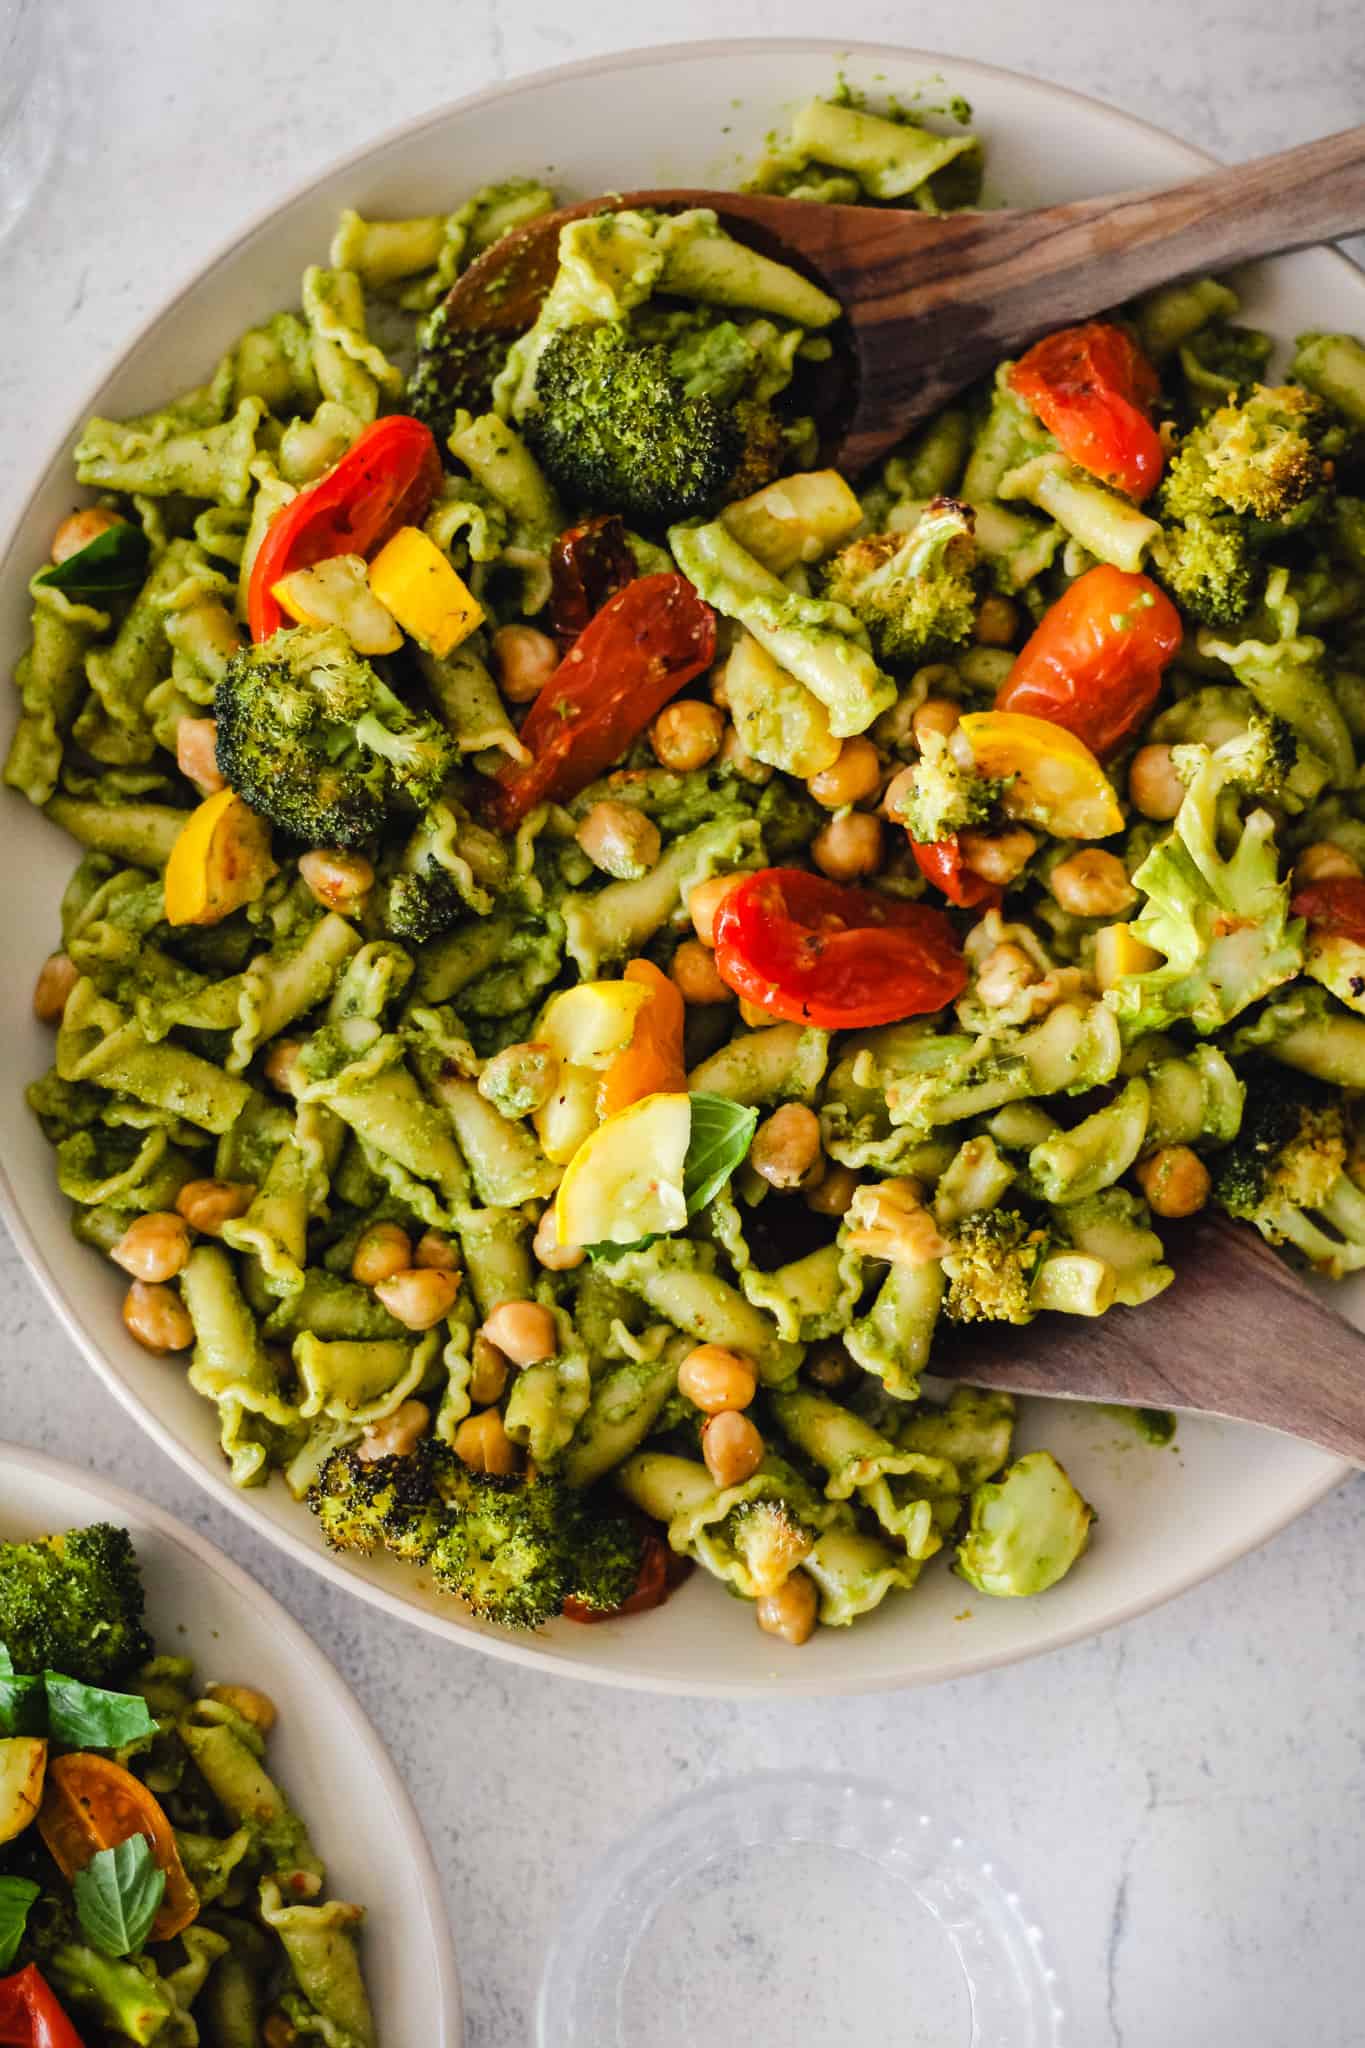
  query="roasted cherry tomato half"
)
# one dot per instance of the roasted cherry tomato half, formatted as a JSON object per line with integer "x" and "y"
{"x": 641, "y": 648}
{"x": 1095, "y": 660}
{"x": 1091, "y": 387}
{"x": 30, "y": 2016}
{"x": 588, "y": 564}
{"x": 92, "y": 1803}
{"x": 1335, "y": 907}
{"x": 385, "y": 480}
{"x": 818, "y": 952}
{"x": 940, "y": 862}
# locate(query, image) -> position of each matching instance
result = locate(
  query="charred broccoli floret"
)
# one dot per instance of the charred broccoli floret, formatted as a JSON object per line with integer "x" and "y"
{"x": 400, "y": 1504}
{"x": 616, "y": 426}
{"x": 914, "y": 593}
{"x": 422, "y": 906}
{"x": 520, "y": 1547}
{"x": 73, "y": 1604}
{"x": 313, "y": 738}
{"x": 945, "y": 797}
{"x": 1262, "y": 457}
{"x": 991, "y": 1263}
{"x": 1209, "y": 566}
{"x": 1286, "y": 1172}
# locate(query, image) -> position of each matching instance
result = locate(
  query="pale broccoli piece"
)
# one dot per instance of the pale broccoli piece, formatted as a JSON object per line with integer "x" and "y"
{"x": 913, "y": 592}
{"x": 1027, "y": 1529}
{"x": 945, "y": 797}
{"x": 1286, "y": 676}
{"x": 1287, "y": 1174}
{"x": 1264, "y": 457}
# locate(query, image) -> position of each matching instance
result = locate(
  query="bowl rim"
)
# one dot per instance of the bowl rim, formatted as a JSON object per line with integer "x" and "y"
{"x": 302, "y": 1651}
{"x": 317, "y": 1559}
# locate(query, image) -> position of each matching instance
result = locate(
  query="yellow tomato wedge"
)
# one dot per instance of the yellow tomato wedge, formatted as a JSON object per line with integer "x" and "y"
{"x": 220, "y": 861}
{"x": 414, "y": 581}
{"x": 625, "y": 1181}
{"x": 587, "y": 1028}
{"x": 1118, "y": 954}
{"x": 23, "y": 1762}
{"x": 1058, "y": 784}
{"x": 652, "y": 1064}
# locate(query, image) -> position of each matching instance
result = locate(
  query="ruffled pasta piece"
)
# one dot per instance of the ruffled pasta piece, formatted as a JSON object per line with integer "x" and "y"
{"x": 97, "y": 1041}
{"x": 777, "y": 1063}
{"x": 272, "y": 493}
{"x": 274, "y": 362}
{"x": 230, "y": 1362}
{"x": 496, "y": 966}
{"x": 319, "y": 1941}
{"x": 348, "y": 365}
{"x": 283, "y": 984}
{"x": 332, "y": 1307}
{"x": 505, "y": 1163}
{"x": 855, "y": 1571}
{"x": 103, "y": 1167}
{"x": 895, "y": 1336}
{"x": 615, "y": 922}
{"x": 274, "y": 1229}
{"x": 457, "y": 1362}
{"x": 495, "y": 1244}
{"x": 161, "y": 456}
{"x": 549, "y": 1400}
{"x": 678, "y": 1280}
{"x": 360, "y": 1380}
{"x": 808, "y": 1298}
{"x": 142, "y": 834}
{"x": 625, "y": 1405}
{"x": 50, "y": 679}
{"x": 359, "y": 1073}
{"x": 911, "y": 1493}
{"x": 229, "y": 1760}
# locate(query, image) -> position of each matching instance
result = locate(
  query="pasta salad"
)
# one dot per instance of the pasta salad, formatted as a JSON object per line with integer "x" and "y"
{"x": 595, "y": 942}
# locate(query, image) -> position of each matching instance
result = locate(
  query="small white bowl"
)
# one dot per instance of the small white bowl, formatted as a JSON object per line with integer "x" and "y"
{"x": 692, "y": 114}
{"x": 328, "y": 1757}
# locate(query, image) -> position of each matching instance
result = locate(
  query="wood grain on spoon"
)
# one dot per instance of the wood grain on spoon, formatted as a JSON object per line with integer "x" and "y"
{"x": 934, "y": 302}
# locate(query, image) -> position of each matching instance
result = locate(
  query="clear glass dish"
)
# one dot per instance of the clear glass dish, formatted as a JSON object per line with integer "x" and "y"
{"x": 785, "y": 1907}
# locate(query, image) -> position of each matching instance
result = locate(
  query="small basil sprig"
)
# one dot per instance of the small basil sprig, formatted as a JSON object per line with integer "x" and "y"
{"x": 85, "y": 1717}
{"x": 16, "y": 1896}
{"x": 718, "y": 1142}
{"x": 117, "y": 1895}
{"x": 113, "y": 562}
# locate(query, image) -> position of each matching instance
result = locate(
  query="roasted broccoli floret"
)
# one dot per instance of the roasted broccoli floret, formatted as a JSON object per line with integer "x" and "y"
{"x": 914, "y": 593}
{"x": 616, "y": 427}
{"x": 945, "y": 797}
{"x": 991, "y": 1263}
{"x": 1209, "y": 565}
{"x": 73, "y": 1604}
{"x": 402, "y": 1504}
{"x": 1286, "y": 1172}
{"x": 422, "y": 906}
{"x": 519, "y": 1548}
{"x": 312, "y": 737}
{"x": 1263, "y": 457}
{"x": 1222, "y": 360}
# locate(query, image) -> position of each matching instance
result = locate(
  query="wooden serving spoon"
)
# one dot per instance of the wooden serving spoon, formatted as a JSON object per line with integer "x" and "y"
{"x": 931, "y": 302}
{"x": 1236, "y": 1334}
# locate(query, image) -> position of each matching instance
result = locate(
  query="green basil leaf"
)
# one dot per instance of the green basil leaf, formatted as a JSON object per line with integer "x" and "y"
{"x": 115, "y": 560}
{"x": 6, "y": 1661}
{"x": 84, "y": 1717}
{"x": 23, "y": 1707}
{"x": 722, "y": 1132}
{"x": 117, "y": 1895}
{"x": 16, "y": 1896}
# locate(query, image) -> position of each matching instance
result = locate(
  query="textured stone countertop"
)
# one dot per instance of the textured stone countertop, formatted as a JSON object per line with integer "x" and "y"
{"x": 1183, "y": 1798}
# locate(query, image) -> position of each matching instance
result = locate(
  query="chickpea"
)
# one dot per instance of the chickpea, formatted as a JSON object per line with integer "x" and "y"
{"x": 714, "y": 1379}
{"x": 1153, "y": 785}
{"x": 338, "y": 881}
{"x": 851, "y": 778}
{"x": 78, "y": 529}
{"x": 207, "y": 1205}
{"x": 849, "y": 847}
{"x": 833, "y": 1194}
{"x": 153, "y": 1247}
{"x": 935, "y": 714}
{"x": 419, "y": 1298}
{"x": 520, "y": 1079}
{"x": 57, "y": 977}
{"x": 525, "y": 661}
{"x": 999, "y": 857}
{"x": 396, "y": 1434}
{"x": 1005, "y": 971}
{"x": 829, "y": 1366}
{"x": 732, "y": 1448}
{"x": 488, "y": 1371}
{"x": 687, "y": 734}
{"x": 381, "y": 1251}
{"x": 257, "y": 1709}
{"x": 694, "y": 971}
{"x": 898, "y": 791}
{"x": 620, "y": 840}
{"x": 524, "y": 1331}
{"x": 482, "y": 1443}
{"x": 282, "y": 1064}
{"x": 997, "y": 621}
{"x": 435, "y": 1253}
{"x": 278, "y": 2032}
{"x": 705, "y": 901}
{"x": 733, "y": 757}
{"x": 1092, "y": 883}
{"x": 196, "y": 754}
{"x": 157, "y": 1317}
{"x": 1320, "y": 862}
{"x": 786, "y": 1147}
{"x": 791, "y": 1611}
{"x": 554, "y": 1256}
{"x": 1175, "y": 1181}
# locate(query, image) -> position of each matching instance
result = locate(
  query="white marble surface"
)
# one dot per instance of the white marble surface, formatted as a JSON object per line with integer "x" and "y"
{"x": 1183, "y": 1798}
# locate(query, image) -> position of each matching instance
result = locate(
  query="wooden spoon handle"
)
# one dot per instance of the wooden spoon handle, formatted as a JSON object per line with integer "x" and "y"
{"x": 1238, "y": 1334}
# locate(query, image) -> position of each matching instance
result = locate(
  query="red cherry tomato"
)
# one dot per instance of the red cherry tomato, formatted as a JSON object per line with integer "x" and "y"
{"x": 30, "y": 2016}
{"x": 1095, "y": 660}
{"x": 661, "y": 1570}
{"x": 639, "y": 650}
{"x": 940, "y": 861}
{"x": 1335, "y": 906}
{"x": 588, "y": 564}
{"x": 387, "y": 479}
{"x": 1091, "y": 387}
{"x": 819, "y": 952}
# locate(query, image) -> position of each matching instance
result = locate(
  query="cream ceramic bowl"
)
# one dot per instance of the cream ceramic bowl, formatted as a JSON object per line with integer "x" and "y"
{"x": 328, "y": 1756}
{"x": 685, "y": 115}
